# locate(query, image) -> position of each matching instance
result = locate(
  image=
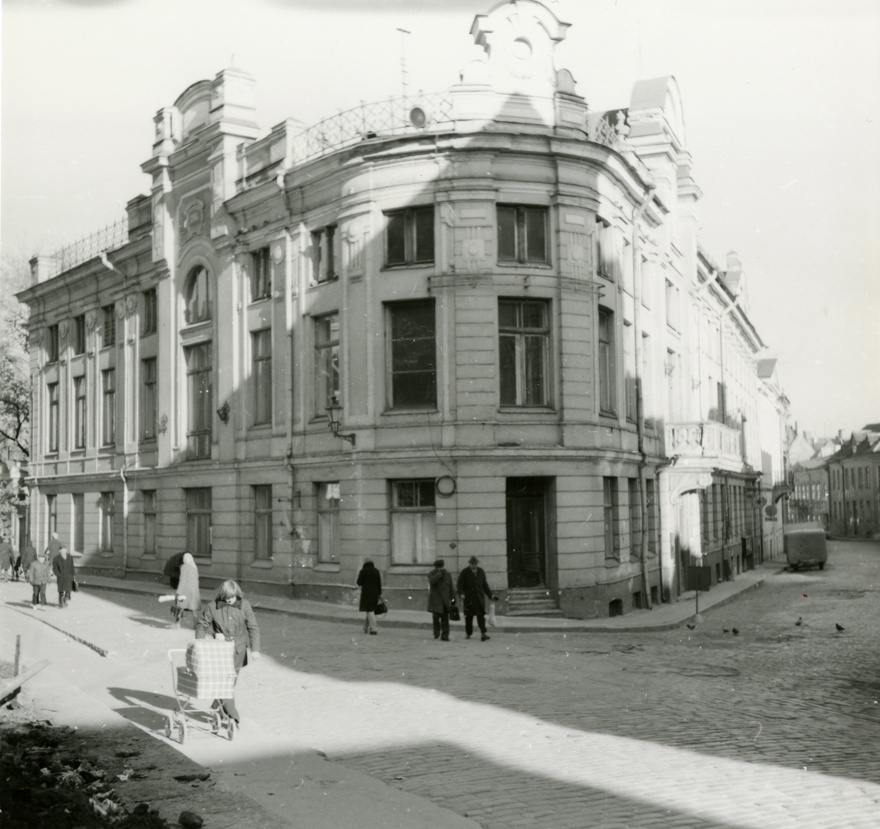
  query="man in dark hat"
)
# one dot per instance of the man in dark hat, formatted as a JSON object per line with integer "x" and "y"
{"x": 473, "y": 589}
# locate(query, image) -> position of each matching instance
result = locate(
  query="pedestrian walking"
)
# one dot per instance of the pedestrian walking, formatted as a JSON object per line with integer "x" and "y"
{"x": 370, "y": 582}
{"x": 7, "y": 561}
{"x": 474, "y": 589}
{"x": 172, "y": 569}
{"x": 230, "y": 616}
{"x": 39, "y": 574}
{"x": 28, "y": 557}
{"x": 62, "y": 568}
{"x": 186, "y": 597}
{"x": 441, "y": 599}
{"x": 52, "y": 548}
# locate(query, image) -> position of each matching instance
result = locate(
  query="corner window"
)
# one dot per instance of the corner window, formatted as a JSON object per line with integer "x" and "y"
{"x": 261, "y": 344}
{"x": 262, "y": 522}
{"x": 605, "y": 258}
{"x": 261, "y": 274}
{"x": 52, "y": 344}
{"x": 198, "y": 521}
{"x": 324, "y": 255}
{"x": 413, "y": 522}
{"x": 79, "y": 334}
{"x": 413, "y": 355}
{"x": 198, "y": 297}
{"x": 524, "y": 349}
{"x": 108, "y": 326}
{"x": 328, "y": 521}
{"x": 409, "y": 236}
{"x": 522, "y": 234}
{"x": 607, "y": 371}
{"x": 326, "y": 361}
{"x": 150, "y": 312}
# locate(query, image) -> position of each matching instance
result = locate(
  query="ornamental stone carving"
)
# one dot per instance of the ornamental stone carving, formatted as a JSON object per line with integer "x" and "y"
{"x": 194, "y": 220}
{"x": 91, "y": 320}
{"x": 131, "y": 304}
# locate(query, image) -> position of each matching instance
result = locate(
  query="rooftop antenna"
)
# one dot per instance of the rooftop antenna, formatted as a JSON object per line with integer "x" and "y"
{"x": 403, "y": 34}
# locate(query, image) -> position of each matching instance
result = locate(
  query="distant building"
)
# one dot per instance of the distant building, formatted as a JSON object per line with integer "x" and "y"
{"x": 854, "y": 485}
{"x": 476, "y": 322}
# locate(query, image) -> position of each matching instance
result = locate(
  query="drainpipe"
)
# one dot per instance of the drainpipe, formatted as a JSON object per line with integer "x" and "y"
{"x": 640, "y": 415}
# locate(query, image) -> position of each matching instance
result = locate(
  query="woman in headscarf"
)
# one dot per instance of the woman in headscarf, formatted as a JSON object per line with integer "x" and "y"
{"x": 187, "y": 594}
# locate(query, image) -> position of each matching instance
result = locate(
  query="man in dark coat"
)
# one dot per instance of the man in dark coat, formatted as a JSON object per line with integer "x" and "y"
{"x": 172, "y": 569}
{"x": 62, "y": 567}
{"x": 474, "y": 589}
{"x": 440, "y": 599}
{"x": 370, "y": 582}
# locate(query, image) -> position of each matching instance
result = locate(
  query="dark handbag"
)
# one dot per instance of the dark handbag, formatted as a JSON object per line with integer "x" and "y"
{"x": 381, "y": 607}
{"x": 454, "y": 615}
{"x": 75, "y": 586}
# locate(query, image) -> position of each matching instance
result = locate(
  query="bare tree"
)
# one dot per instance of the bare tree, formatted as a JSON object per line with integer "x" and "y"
{"x": 15, "y": 391}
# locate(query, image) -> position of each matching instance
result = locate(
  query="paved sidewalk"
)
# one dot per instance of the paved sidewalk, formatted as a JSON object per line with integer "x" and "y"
{"x": 662, "y": 617}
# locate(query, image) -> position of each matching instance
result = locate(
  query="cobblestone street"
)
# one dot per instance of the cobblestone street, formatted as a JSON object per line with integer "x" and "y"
{"x": 773, "y": 726}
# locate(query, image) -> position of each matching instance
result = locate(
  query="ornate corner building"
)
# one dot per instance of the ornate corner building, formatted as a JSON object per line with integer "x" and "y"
{"x": 477, "y": 322}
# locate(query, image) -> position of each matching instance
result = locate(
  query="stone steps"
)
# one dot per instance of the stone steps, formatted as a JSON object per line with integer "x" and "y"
{"x": 532, "y": 602}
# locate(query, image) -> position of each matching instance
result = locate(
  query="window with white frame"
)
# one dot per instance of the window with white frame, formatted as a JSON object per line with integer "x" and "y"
{"x": 108, "y": 326}
{"x": 149, "y": 500}
{"x": 328, "y": 521}
{"x": 409, "y": 236}
{"x": 261, "y": 347}
{"x": 198, "y": 296}
{"x": 199, "y": 369}
{"x": 635, "y": 518}
{"x": 150, "y": 312}
{"x": 326, "y": 361}
{"x": 629, "y": 367}
{"x": 606, "y": 257}
{"x": 524, "y": 352}
{"x": 607, "y": 363}
{"x": 108, "y": 507}
{"x": 108, "y": 407}
{"x": 51, "y": 515}
{"x": 412, "y": 355}
{"x": 52, "y": 344}
{"x": 52, "y": 404}
{"x": 263, "y": 521}
{"x": 522, "y": 234}
{"x": 198, "y": 521}
{"x": 609, "y": 516}
{"x": 79, "y": 521}
{"x": 149, "y": 398}
{"x": 79, "y": 334}
{"x": 324, "y": 255}
{"x": 413, "y": 522}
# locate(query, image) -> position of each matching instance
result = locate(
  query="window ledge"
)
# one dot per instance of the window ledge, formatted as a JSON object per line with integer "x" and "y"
{"x": 202, "y": 562}
{"x": 398, "y": 412}
{"x": 543, "y": 266}
{"x": 548, "y": 410}
{"x": 408, "y": 265}
{"x": 328, "y": 567}
{"x": 262, "y": 563}
{"x": 410, "y": 569}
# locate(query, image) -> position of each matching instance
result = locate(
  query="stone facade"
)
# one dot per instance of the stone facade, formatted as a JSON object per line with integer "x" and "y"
{"x": 493, "y": 297}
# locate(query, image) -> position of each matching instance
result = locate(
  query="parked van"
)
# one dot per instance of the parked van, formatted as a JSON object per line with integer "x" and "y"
{"x": 805, "y": 546}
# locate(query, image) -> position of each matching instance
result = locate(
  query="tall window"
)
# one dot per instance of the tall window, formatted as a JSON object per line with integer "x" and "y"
{"x": 79, "y": 412}
{"x": 149, "y": 399}
{"x": 108, "y": 507}
{"x": 108, "y": 407}
{"x": 51, "y": 515}
{"x": 522, "y": 233}
{"x": 413, "y": 355}
{"x": 413, "y": 522}
{"x": 635, "y": 518}
{"x": 79, "y": 520}
{"x": 263, "y": 522}
{"x": 52, "y": 347}
{"x": 201, "y": 400}
{"x": 149, "y": 496}
{"x": 605, "y": 253}
{"x": 326, "y": 361}
{"x": 198, "y": 521}
{"x": 409, "y": 236}
{"x": 607, "y": 373}
{"x": 328, "y": 521}
{"x": 651, "y": 499}
{"x": 629, "y": 365}
{"x": 150, "y": 310}
{"x": 108, "y": 326}
{"x": 52, "y": 399}
{"x": 198, "y": 297}
{"x": 261, "y": 274}
{"x": 672, "y": 309}
{"x": 609, "y": 516}
{"x": 647, "y": 383}
{"x": 261, "y": 345}
{"x": 324, "y": 254}
{"x": 524, "y": 348}
{"x": 79, "y": 334}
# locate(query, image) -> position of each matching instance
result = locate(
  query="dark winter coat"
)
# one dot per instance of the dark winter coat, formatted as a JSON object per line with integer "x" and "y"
{"x": 474, "y": 587}
{"x": 235, "y": 622}
{"x": 63, "y": 569}
{"x": 172, "y": 569}
{"x": 39, "y": 572}
{"x": 442, "y": 595}
{"x": 28, "y": 557}
{"x": 370, "y": 582}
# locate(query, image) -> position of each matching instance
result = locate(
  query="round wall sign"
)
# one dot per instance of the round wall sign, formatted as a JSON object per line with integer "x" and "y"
{"x": 445, "y": 486}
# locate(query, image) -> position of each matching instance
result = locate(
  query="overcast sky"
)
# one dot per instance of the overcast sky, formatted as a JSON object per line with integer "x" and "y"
{"x": 781, "y": 105}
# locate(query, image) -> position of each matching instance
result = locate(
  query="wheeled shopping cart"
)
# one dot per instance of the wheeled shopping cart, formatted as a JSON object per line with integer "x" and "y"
{"x": 205, "y": 670}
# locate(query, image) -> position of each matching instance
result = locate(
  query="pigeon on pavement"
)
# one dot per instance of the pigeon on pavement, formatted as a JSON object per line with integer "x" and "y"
{"x": 839, "y": 627}
{"x": 799, "y": 622}
{"x": 736, "y": 631}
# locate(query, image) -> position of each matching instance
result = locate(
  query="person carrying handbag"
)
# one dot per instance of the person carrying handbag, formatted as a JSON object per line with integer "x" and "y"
{"x": 370, "y": 582}
{"x": 441, "y": 599}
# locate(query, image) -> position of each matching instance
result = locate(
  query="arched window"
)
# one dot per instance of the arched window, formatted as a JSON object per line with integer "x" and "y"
{"x": 199, "y": 296}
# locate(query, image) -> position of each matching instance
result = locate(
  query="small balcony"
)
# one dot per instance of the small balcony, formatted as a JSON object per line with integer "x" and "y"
{"x": 709, "y": 441}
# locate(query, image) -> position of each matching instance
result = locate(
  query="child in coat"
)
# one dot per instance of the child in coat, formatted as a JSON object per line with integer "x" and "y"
{"x": 39, "y": 574}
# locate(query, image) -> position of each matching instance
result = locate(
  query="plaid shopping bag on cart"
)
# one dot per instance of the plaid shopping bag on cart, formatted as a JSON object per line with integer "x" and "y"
{"x": 209, "y": 671}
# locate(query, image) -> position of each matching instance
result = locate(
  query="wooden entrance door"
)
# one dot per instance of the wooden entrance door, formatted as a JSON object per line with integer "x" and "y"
{"x": 526, "y": 532}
